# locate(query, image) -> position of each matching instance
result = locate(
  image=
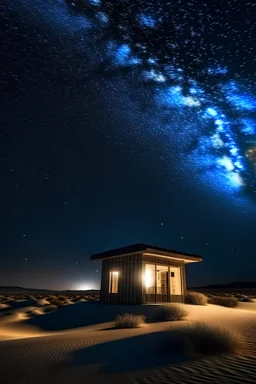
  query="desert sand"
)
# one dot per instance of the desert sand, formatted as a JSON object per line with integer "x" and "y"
{"x": 78, "y": 344}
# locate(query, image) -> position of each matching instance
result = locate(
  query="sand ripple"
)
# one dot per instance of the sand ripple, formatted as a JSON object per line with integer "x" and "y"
{"x": 94, "y": 355}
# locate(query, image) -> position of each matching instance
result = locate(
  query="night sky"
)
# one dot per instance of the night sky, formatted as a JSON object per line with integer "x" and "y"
{"x": 125, "y": 122}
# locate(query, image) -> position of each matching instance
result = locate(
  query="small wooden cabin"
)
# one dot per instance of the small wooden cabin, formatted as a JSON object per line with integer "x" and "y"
{"x": 142, "y": 273}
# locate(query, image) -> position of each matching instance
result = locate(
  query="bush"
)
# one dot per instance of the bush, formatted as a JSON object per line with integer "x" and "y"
{"x": 171, "y": 312}
{"x": 56, "y": 302}
{"x": 61, "y": 298}
{"x": 201, "y": 339}
{"x": 76, "y": 299}
{"x": 49, "y": 308}
{"x": 195, "y": 298}
{"x": 34, "y": 312}
{"x": 42, "y": 302}
{"x": 50, "y": 298}
{"x": 129, "y": 320}
{"x": 30, "y": 297}
{"x": 244, "y": 298}
{"x": 224, "y": 301}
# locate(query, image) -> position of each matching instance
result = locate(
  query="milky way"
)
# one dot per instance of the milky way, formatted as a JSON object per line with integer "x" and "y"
{"x": 196, "y": 61}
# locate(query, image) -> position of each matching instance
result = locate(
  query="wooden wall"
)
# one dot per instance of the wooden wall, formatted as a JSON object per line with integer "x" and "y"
{"x": 130, "y": 285}
{"x": 129, "y": 280}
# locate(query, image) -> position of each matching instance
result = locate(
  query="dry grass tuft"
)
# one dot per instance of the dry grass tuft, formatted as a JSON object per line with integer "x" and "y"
{"x": 195, "y": 298}
{"x": 223, "y": 301}
{"x": 49, "y": 308}
{"x": 201, "y": 339}
{"x": 42, "y": 303}
{"x": 34, "y": 312}
{"x": 129, "y": 320}
{"x": 244, "y": 298}
{"x": 76, "y": 299}
{"x": 30, "y": 297}
{"x": 171, "y": 312}
{"x": 56, "y": 302}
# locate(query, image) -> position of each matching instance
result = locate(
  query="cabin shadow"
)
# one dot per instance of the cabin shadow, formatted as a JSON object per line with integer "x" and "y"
{"x": 129, "y": 354}
{"x": 85, "y": 314}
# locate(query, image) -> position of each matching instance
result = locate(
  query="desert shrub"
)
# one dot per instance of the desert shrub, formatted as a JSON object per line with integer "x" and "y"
{"x": 34, "y": 312}
{"x": 30, "y": 297}
{"x": 61, "y": 298}
{"x": 49, "y": 308}
{"x": 129, "y": 320}
{"x": 67, "y": 302}
{"x": 76, "y": 299}
{"x": 244, "y": 298}
{"x": 195, "y": 298}
{"x": 171, "y": 312}
{"x": 8, "y": 301}
{"x": 224, "y": 301}
{"x": 202, "y": 339}
{"x": 56, "y": 302}
{"x": 42, "y": 302}
{"x": 50, "y": 297}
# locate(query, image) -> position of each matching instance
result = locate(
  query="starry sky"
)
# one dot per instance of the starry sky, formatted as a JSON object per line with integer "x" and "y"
{"x": 124, "y": 122}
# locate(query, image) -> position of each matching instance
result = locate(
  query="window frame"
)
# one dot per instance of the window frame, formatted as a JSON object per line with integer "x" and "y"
{"x": 113, "y": 282}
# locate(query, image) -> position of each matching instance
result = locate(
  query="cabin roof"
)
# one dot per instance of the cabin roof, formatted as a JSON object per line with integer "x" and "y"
{"x": 136, "y": 248}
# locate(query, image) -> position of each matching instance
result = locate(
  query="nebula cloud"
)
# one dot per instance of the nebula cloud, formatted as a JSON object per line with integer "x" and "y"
{"x": 196, "y": 60}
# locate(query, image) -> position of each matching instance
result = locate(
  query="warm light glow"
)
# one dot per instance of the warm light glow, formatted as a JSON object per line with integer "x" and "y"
{"x": 85, "y": 287}
{"x": 148, "y": 278}
{"x": 113, "y": 281}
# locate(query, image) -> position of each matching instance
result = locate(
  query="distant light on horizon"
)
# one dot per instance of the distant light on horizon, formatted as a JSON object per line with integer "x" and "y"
{"x": 85, "y": 286}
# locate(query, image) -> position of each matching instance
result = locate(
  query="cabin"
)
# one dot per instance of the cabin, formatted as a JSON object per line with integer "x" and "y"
{"x": 142, "y": 273}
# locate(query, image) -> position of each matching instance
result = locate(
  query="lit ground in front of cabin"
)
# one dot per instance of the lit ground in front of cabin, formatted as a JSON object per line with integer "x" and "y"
{"x": 44, "y": 341}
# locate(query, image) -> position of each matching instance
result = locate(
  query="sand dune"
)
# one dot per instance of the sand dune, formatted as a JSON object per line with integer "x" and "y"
{"x": 77, "y": 343}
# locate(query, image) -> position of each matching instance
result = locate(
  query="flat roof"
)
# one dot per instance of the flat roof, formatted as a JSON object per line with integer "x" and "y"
{"x": 137, "y": 248}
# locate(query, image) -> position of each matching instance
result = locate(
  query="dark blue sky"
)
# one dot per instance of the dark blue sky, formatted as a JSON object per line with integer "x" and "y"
{"x": 125, "y": 124}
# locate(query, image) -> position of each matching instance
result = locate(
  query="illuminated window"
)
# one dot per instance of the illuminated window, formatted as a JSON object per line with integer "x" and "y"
{"x": 158, "y": 280}
{"x": 150, "y": 278}
{"x": 113, "y": 282}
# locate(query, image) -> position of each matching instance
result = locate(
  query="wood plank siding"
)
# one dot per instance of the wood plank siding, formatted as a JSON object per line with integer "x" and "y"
{"x": 131, "y": 289}
{"x": 142, "y": 273}
{"x": 129, "y": 270}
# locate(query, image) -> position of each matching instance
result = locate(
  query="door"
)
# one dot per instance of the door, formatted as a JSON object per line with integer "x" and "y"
{"x": 175, "y": 283}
